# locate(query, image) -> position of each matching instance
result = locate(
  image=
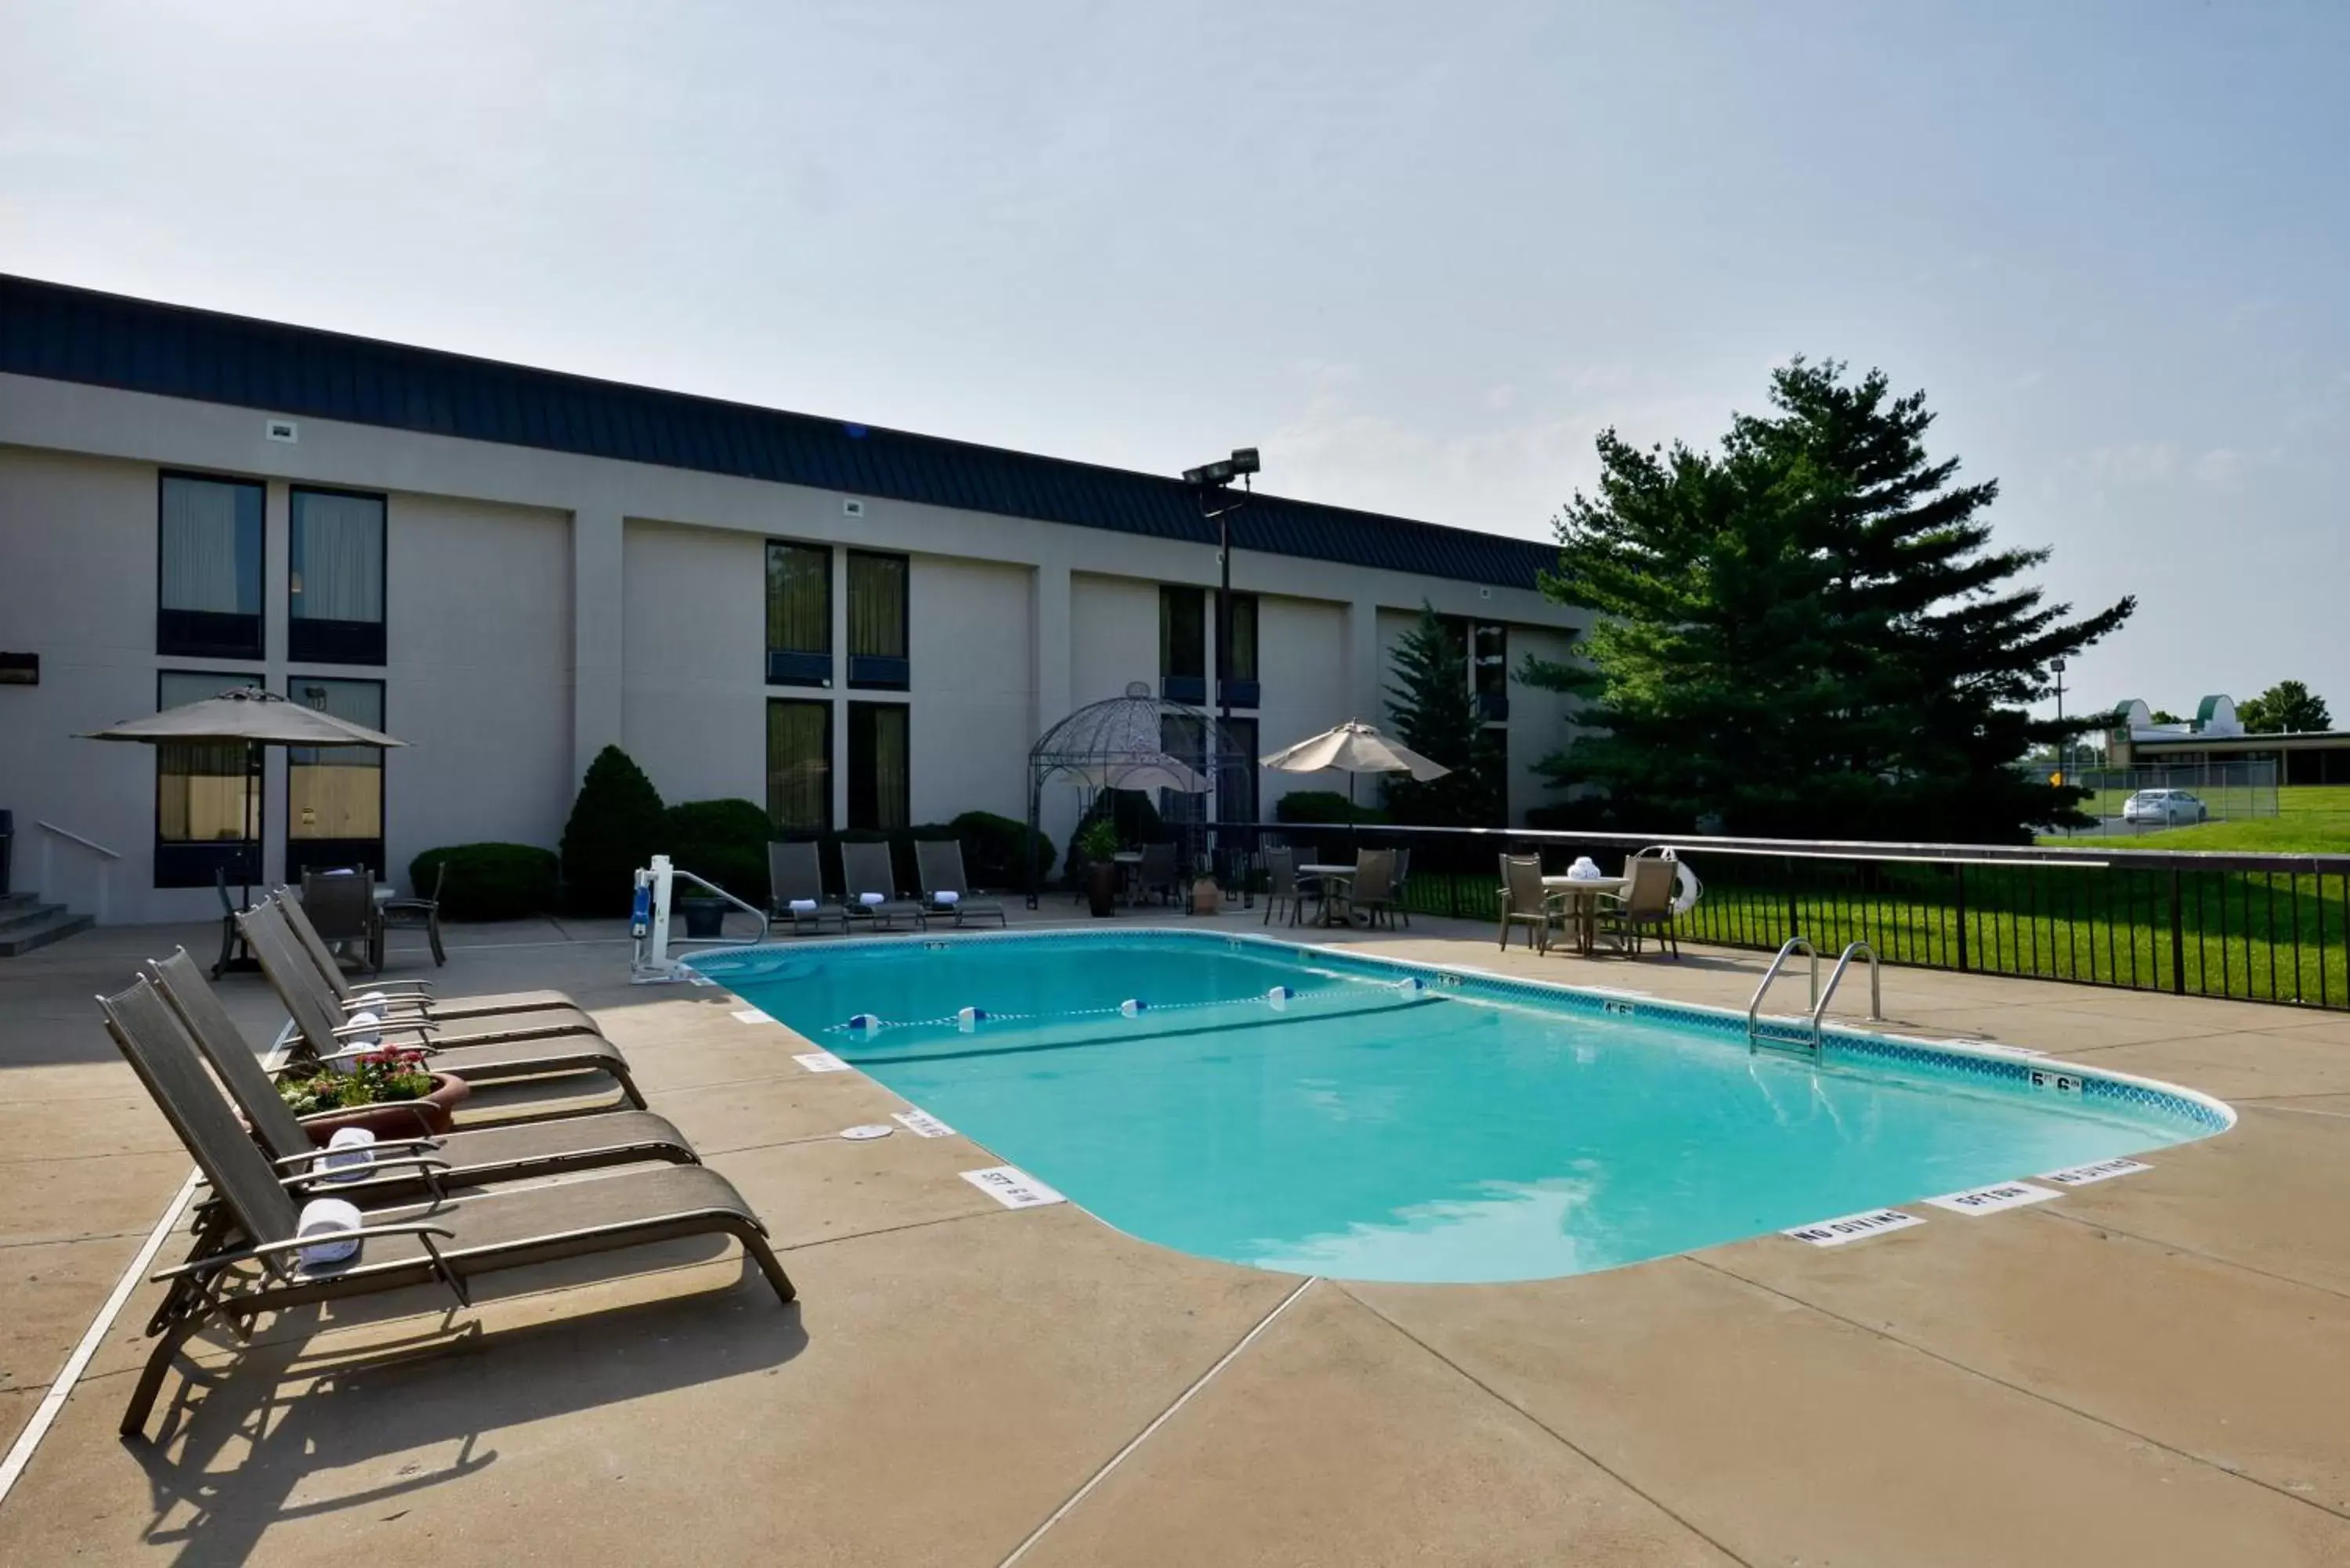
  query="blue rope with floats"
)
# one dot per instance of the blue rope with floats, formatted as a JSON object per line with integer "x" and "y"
{"x": 967, "y": 1020}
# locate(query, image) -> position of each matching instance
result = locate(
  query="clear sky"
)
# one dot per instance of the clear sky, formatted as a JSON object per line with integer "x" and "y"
{"x": 1418, "y": 253}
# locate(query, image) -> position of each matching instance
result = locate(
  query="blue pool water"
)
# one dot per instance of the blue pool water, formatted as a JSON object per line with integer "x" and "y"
{"x": 1473, "y": 1130}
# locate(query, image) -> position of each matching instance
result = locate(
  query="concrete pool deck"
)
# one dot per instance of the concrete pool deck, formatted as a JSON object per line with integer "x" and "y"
{"x": 2148, "y": 1370}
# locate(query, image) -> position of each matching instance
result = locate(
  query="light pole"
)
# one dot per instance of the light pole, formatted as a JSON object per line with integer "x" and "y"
{"x": 1212, "y": 482}
{"x": 2063, "y": 774}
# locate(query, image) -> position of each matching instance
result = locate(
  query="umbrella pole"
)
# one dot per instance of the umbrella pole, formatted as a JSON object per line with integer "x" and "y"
{"x": 252, "y": 816}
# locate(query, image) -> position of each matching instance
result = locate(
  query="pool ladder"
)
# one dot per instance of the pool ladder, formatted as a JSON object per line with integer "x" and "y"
{"x": 1820, "y": 997}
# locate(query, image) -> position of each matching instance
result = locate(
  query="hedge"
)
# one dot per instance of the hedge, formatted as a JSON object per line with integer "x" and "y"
{"x": 488, "y": 881}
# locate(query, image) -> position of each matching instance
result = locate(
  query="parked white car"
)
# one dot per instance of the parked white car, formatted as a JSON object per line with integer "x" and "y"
{"x": 2168, "y": 807}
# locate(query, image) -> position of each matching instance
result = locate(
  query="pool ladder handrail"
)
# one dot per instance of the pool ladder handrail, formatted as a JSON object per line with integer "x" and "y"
{"x": 1754, "y": 1008}
{"x": 1876, "y": 994}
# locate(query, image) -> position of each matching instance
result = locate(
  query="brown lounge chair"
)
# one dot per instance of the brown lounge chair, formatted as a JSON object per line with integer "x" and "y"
{"x": 795, "y": 875}
{"x": 939, "y": 864}
{"x": 867, "y": 868}
{"x": 450, "y": 1242}
{"x": 509, "y": 1016}
{"x": 325, "y": 1037}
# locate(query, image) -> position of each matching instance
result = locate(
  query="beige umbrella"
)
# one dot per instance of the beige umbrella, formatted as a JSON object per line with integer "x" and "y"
{"x": 253, "y": 719}
{"x": 1355, "y": 748}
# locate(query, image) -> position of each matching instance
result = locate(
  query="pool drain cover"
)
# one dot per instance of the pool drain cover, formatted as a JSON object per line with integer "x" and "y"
{"x": 869, "y": 1130}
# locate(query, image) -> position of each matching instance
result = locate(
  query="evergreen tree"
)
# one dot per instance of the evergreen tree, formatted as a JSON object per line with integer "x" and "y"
{"x": 1437, "y": 715}
{"x": 2287, "y": 705}
{"x": 1808, "y": 633}
{"x": 617, "y": 824}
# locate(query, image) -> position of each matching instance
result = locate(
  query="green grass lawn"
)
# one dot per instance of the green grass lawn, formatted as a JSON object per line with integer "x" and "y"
{"x": 2312, "y": 819}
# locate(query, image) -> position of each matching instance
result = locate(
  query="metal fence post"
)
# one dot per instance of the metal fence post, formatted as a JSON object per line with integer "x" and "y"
{"x": 1959, "y": 910}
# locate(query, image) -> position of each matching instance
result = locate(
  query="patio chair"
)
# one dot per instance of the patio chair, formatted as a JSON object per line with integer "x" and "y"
{"x": 341, "y": 910}
{"x": 1281, "y": 885}
{"x": 1644, "y": 906}
{"x": 939, "y": 865}
{"x": 510, "y": 1016}
{"x": 450, "y": 1242}
{"x": 1402, "y": 887}
{"x": 795, "y": 889}
{"x": 228, "y": 922}
{"x": 1526, "y": 902}
{"x": 865, "y": 869}
{"x": 420, "y": 913}
{"x": 1373, "y": 890}
{"x": 325, "y": 1037}
{"x": 1158, "y": 874}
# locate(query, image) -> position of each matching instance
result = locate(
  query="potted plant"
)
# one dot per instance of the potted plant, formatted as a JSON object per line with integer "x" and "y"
{"x": 704, "y": 916}
{"x": 390, "y": 1093}
{"x": 1099, "y": 843}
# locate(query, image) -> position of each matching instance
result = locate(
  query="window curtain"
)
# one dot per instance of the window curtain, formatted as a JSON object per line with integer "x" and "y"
{"x": 799, "y": 775}
{"x": 200, "y": 786}
{"x": 1242, "y": 663}
{"x": 337, "y": 557}
{"x": 336, "y": 791}
{"x": 211, "y": 557}
{"x": 1182, "y": 641}
{"x": 880, "y": 777}
{"x": 876, "y": 605}
{"x": 799, "y": 598}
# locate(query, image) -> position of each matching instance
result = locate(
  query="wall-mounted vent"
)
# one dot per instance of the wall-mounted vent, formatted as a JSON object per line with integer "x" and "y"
{"x": 280, "y": 430}
{"x": 852, "y": 509}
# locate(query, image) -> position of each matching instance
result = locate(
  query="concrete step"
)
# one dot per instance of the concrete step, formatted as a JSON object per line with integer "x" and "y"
{"x": 14, "y": 904}
{"x": 24, "y": 926}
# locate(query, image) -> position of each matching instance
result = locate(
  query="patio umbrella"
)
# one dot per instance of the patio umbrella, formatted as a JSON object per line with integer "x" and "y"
{"x": 253, "y": 719}
{"x": 1354, "y": 747}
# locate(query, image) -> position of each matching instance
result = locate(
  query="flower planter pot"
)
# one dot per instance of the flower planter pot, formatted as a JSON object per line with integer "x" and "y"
{"x": 1101, "y": 888}
{"x": 397, "y": 1119}
{"x": 704, "y": 917}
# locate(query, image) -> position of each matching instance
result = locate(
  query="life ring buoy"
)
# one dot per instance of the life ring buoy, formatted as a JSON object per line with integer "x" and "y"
{"x": 1687, "y": 889}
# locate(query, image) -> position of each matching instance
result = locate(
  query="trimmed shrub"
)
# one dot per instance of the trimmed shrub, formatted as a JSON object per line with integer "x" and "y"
{"x": 723, "y": 840}
{"x": 488, "y": 881}
{"x": 1323, "y": 807}
{"x": 991, "y": 850}
{"x": 1130, "y": 811}
{"x": 616, "y": 827}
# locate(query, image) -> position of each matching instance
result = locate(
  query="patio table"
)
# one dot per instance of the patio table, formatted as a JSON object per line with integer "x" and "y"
{"x": 1582, "y": 894}
{"x": 1326, "y": 875}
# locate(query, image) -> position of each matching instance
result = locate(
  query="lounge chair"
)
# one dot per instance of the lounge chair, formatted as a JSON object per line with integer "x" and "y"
{"x": 1373, "y": 888}
{"x": 1281, "y": 884}
{"x": 795, "y": 877}
{"x": 1526, "y": 902}
{"x": 417, "y": 995}
{"x": 325, "y": 1037}
{"x": 450, "y": 1242}
{"x": 342, "y": 909}
{"x": 468, "y": 1158}
{"x": 939, "y": 864}
{"x": 473, "y": 1019}
{"x": 865, "y": 869}
{"x": 1646, "y": 904}
{"x": 228, "y": 922}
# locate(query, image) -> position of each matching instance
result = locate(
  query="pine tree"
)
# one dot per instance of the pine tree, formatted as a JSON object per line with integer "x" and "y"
{"x": 1808, "y": 633}
{"x": 1437, "y": 715}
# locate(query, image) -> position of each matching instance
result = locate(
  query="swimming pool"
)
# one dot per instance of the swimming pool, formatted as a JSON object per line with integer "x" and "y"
{"x": 1389, "y": 1122}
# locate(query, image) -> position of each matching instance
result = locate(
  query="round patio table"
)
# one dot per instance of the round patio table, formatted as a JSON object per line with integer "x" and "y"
{"x": 1583, "y": 896}
{"x": 1327, "y": 877}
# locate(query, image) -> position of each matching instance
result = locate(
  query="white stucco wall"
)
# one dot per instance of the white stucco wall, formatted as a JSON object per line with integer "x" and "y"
{"x": 1302, "y": 662}
{"x": 969, "y": 641}
{"x": 693, "y": 681}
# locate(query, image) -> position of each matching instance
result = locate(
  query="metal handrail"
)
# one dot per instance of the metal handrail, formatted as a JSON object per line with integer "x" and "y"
{"x": 1876, "y": 996}
{"x": 1754, "y": 1008}
{"x": 78, "y": 838}
{"x": 766, "y": 924}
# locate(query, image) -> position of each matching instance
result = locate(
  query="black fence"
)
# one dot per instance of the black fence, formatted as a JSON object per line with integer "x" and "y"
{"x": 2261, "y": 927}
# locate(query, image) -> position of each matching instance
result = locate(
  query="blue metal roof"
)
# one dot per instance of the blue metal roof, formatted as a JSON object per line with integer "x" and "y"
{"x": 68, "y": 334}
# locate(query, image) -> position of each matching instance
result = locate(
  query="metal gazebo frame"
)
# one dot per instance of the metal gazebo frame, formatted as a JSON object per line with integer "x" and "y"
{"x": 1117, "y": 744}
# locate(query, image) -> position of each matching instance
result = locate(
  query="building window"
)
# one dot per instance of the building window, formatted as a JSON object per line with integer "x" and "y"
{"x": 208, "y": 569}
{"x": 799, "y": 765}
{"x": 799, "y": 615}
{"x": 334, "y": 794}
{"x": 1183, "y": 644}
{"x": 879, "y": 786}
{"x": 207, "y": 806}
{"x": 1236, "y": 670}
{"x": 877, "y": 622}
{"x": 334, "y": 578}
{"x": 1489, "y": 669}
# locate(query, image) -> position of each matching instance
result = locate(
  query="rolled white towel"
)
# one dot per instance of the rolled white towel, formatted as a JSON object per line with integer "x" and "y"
{"x": 1584, "y": 869}
{"x": 947, "y": 899}
{"x": 802, "y": 906}
{"x": 325, "y": 1217}
{"x": 869, "y": 900}
{"x": 375, "y": 999}
{"x": 350, "y": 1154}
{"x": 361, "y": 1041}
